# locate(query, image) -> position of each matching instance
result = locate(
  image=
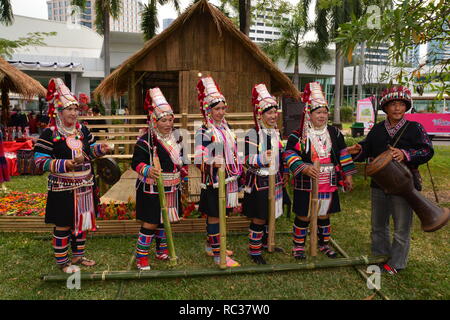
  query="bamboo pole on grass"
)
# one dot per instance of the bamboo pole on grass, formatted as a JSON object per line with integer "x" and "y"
{"x": 222, "y": 219}
{"x": 158, "y": 274}
{"x": 271, "y": 233}
{"x": 165, "y": 215}
{"x": 313, "y": 211}
{"x": 345, "y": 255}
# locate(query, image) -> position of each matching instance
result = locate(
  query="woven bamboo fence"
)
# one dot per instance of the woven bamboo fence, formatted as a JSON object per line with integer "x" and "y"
{"x": 37, "y": 225}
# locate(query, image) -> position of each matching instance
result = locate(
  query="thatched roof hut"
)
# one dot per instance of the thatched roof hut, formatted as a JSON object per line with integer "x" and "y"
{"x": 202, "y": 40}
{"x": 14, "y": 80}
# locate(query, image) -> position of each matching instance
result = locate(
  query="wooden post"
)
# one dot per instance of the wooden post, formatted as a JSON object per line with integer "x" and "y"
{"x": 314, "y": 209}
{"x": 165, "y": 215}
{"x": 272, "y": 200}
{"x": 222, "y": 218}
{"x": 132, "y": 94}
{"x": 184, "y": 120}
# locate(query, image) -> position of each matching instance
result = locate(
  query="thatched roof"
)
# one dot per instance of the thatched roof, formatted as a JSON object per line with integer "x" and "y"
{"x": 116, "y": 83}
{"x": 14, "y": 80}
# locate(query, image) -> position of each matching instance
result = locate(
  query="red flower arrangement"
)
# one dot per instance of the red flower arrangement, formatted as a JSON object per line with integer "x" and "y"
{"x": 23, "y": 204}
{"x": 113, "y": 211}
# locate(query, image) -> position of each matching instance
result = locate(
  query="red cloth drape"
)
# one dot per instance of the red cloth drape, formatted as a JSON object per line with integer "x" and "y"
{"x": 13, "y": 147}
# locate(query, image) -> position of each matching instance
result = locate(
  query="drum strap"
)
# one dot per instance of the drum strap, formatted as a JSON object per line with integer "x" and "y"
{"x": 401, "y": 133}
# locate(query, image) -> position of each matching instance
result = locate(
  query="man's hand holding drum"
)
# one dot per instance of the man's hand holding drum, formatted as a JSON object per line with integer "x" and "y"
{"x": 397, "y": 154}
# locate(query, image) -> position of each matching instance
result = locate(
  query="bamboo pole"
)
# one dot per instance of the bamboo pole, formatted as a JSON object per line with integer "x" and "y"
{"x": 432, "y": 184}
{"x": 159, "y": 274}
{"x": 271, "y": 233}
{"x": 165, "y": 215}
{"x": 313, "y": 210}
{"x": 184, "y": 120}
{"x": 344, "y": 254}
{"x": 222, "y": 219}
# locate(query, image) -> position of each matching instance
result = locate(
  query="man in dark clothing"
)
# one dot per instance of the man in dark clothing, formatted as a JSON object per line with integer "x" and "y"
{"x": 409, "y": 143}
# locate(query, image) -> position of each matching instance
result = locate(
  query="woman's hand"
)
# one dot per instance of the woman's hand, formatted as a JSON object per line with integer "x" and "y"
{"x": 355, "y": 149}
{"x": 348, "y": 183}
{"x": 218, "y": 161}
{"x": 267, "y": 157}
{"x": 104, "y": 147}
{"x": 154, "y": 173}
{"x": 70, "y": 165}
{"x": 311, "y": 172}
{"x": 285, "y": 179}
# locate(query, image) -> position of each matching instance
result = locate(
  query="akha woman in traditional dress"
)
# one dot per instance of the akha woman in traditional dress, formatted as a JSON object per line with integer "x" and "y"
{"x": 66, "y": 149}
{"x": 163, "y": 143}
{"x": 216, "y": 146}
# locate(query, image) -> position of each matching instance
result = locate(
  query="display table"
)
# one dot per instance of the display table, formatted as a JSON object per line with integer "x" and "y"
{"x": 10, "y": 149}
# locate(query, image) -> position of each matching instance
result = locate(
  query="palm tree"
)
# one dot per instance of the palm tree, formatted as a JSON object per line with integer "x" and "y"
{"x": 6, "y": 13}
{"x": 328, "y": 19}
{"x": 149, "y": 16}
{"x": 104, "y": 9}
{"x": 291, "y": 43}
{"x": 245, "y": 16}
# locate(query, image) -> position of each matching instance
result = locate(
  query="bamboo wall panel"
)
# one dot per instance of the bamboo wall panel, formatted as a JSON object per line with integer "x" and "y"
{"x": 173, "y": 53}
{"x": 184, "y": 91}
{"x": 37, "y": 224}
{"x": 199, "y": 47}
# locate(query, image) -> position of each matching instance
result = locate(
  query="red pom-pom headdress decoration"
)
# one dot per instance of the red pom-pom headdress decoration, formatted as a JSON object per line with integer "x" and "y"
{"x": 262, "y": 101}
{"x": 208, "y": 94}
{"x": 58, "y": 97}
{"x": 314, "y": 99}
{"x": 156, "y": 106}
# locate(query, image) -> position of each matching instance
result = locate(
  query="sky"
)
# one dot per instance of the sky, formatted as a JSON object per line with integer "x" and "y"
{"x": 38, "y": 8}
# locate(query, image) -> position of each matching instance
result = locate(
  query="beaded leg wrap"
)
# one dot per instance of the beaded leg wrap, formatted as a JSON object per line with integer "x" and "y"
{"x": 78, "y": 244}
{"x": 162, "y": 253}
{"x": 324, "y": 232}
{"x": 256, "y": 232}
{"x": 144, "y": 241}
{"x": 265, "y": 237}
{"x": 214, "y": 238}
{"x": 299, "y": 232}
{"x": 61, "y": 243}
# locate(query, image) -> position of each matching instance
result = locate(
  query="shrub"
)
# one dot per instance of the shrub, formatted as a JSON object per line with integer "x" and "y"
{"x": 347, "y": 114}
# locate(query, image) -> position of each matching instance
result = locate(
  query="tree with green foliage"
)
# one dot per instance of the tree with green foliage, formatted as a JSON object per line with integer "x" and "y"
{"x": 104, "y": 9}
{"x": 7, "y": 47}
{"x": 149, "y": 16}
{"x": 6, "y": 12}
{"x": 404, "y": 26}
{"x": 291, "y": 42}
{"x": 330, "y": 14}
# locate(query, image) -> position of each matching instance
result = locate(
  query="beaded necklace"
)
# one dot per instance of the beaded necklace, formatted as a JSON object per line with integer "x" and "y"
{"x": 321, "y": 140}
{"x": 227, "y": 138}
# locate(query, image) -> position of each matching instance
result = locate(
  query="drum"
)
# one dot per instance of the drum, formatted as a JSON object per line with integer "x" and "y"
{"x": 108, "y": 170}
{"x": 395, "y": 178}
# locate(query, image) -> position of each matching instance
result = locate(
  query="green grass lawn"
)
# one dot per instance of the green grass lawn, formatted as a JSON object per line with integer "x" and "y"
{"x": 23, "y": 259}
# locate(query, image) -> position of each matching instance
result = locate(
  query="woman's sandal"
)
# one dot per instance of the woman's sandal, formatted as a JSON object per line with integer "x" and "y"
{"x": 210, "y": 253}
{"x": 69, "y": 268}
{"x": 162, "y": 256}
{"x": 84, "y": 262}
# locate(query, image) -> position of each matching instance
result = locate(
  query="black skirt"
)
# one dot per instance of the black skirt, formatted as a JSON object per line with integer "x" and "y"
{"x": 256, "y": 203}
{"x": 148, "y": 208}
{"x": 59, "y": 209}
{"x": 301, "y": 203}
{"x": 209, "y": 202}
